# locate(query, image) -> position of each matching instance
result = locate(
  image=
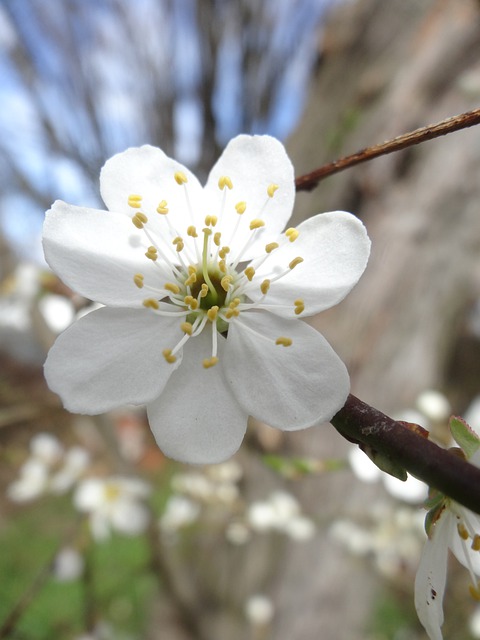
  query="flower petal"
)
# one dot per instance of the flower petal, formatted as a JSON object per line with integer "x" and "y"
{"x": 335, "y": 249}
{"x": 197, "y": 419}
{"x": 431, "y": 577}
{"x": 148, "y": 172}
{"x": 253, "y": 163}
{"x": 111, "y": 357}
{"x": 287, "y": 387}
{"x": 97, "y": 254}
{"x": 462, "y": 548}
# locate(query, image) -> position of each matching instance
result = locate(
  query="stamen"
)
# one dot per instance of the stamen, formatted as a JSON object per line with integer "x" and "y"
{"x": 474, "y": 591}
{"x": 139, "y": 219}
{"x": 225, "y": 282}
{"x": 292, "y": 234}
{"x": 187, "y": 327}
{"x": 180, "y": 177}
{"x": 223, "y": 252}
{"x": 134, "y": 201}
{"x": 210, "y": 362}
{"x": 216, "y": 238}
{"x": 222, "y": 266}
{"x": 162, "y": 208}
{"x": 295, "y": 262}
{"x": 476, "y": 542}
{"x": 299, "y": 306}
{"x": 192, "y": 278}
{"x": 240, "y": 207}
{"x": 271, "y": 189}
{"x": 265, "y": 286}
{"x": 204, "y": 291}
{"x": 285, "y": 342}
{"x": 462, "y": 531}
{"x": 138, "y": 280}
{"x": 152, "y": 253}
{"x": 211, "y": 221}
{"x": 151, "y": 303}
{"x": 212, "y": 313}
{"x": 192, "y": 232}
{"x": 256, "y": 223}
{"x": 225, "y": 181}
{"x": 173, "y": 288}
{"x": 271, "y": 246}
{"x": 191, "y": 302}
{"x": 167, "y": 354}
{"x": 249, "y": 273}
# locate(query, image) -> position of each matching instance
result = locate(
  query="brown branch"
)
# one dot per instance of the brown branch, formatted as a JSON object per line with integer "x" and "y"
{"x": 309, "y": 181}
{"x": 437, "y": 467}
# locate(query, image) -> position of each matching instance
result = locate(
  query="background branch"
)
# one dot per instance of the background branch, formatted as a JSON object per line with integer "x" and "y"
{"x": 437, "y": 467}
{"x": 309, "y": 181}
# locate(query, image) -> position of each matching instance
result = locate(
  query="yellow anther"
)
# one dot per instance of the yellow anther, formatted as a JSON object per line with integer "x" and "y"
{"x": 191, "y": 302}
{"x": 151, "y": 303}
{"x": 232, "y": 313}
{"x": 211, "y": 221}
{"x": 285, "y": 342}
{"x": 173, "y": 288}
{"x": 222, "y": 266}
{"x": 240, "y": 207}
{"x": 256, "y": 223}
{"x": 292, "y": 234}
{"x": 180, "y": 177}
{"x": 265, "y": 286}
{"x": 223, "y": 252}
{"x": 212, "y": 313}
{"x": 295, "y": 262}
{"x": 210, "y": 362}
{"x": 271, "y": 246}
{"x": 234, "y": 303}
{"x": 192, "y": 278}
{"x": 225, "y": 282}
{"x": 462, "y": 531}
{"x": 138, "y": 280}
{"x": 192, "y": 232}
{"x": 473, "y": 590}
{"x": 204, "y": 290}
{"x": 135, "y": 201}
{"x": 167, "y": 354}
{"x": 271, "y": 189}
{"x": 139, "y": 220}
{"x": 476, "y": 542}
{"x": 162, "y": 207}
{"x": 224, "y": 181}
{"x": 299, "y": 306}
{"x": 187, "y": 328}
{"x": 249, "y": 273}
{"x": 151, "y": 253}
{"x": 191, "y": 269}
{"x": 179, "y": 246}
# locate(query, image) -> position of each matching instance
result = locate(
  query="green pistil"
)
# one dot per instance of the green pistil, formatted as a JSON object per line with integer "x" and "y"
{"x": 212, "y": 293}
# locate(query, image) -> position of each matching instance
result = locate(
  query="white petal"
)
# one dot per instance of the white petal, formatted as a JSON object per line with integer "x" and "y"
{"x": 148, "y": 172}
{"x": 287, "y": 387}
{"x": 97, "y": 253}
{"x": 335, "y": 249}
{"x": 90, "y": 495}
{"x": 253, "y": 163}
{"x": 130, "y": 517}
{"x": 111, "y": 357}
{"x": 462, "y": 548}
{"x": 431, "y": 577}
{"x": 197, "y": 419}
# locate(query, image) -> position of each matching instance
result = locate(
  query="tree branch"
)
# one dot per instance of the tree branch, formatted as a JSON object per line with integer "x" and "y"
{"x": 309, "y": 181}
{"x": 437, "y": 467}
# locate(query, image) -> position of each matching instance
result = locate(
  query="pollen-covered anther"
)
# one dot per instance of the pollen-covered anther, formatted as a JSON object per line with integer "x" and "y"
{"x": 222, "y": 266}
{"x": 462, "y": 531}
{"x": 473, "y": 590}
{"x": 299, "y": 306}
{"x": 178, "y": 242}
{"x": 180, "y": 177}
{"x": 265, "y": 286}
{"x": 240, "y": 207}
{"x": 212, "y": 313}
{"x": 152, "y": 253}
{"x": 151, "y": 303}
{"x": 271, "y": 189}
{"x": 211, "y": 221}
{"x": 134, "y": 201}
{"x": 223, "y": 252}
{"x": 256, "y": 223}
{"x": 285, "y": 342}
{"x": 191, "y": 302}
{"x": 216, "y": 238}
{"x": 204, "y": 290}
{"x": 225, "y": 282}
{"x": 476, "y": 542}
{"x": 138, "y": 280}
{"x": 224, "y": 181}
{"x": 271, "y": 246}
{"x": 173, "y": 288}
{"x": 232, "y": 313}
{"x": 139, "y": 220}
{"x": 249, "y": 273}
{"x": 162, "y": 208}
{"x": 192, "y": 278}
{"x": 192, "y": 232}
{"x": 169, "y": 357}
{"x": 295, "y": 262}
{"x": 210, "y": 362}
{"x": 187, "y": 328}
{"x": 292, "y": 234}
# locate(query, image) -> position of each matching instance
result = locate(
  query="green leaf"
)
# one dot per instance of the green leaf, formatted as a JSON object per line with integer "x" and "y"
{"x": 464, "y": 436}
{"x": 385, "y": 463}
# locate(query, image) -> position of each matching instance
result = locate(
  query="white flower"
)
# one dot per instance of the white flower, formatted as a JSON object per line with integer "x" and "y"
{"x": 259, "y": 610}
{"x": 68, "y": 565}
{"x": 195, "y": 277}
{"x": 281, "y": 512}
{"x": 179, "y": 512}
{"x": 113, "y": 503}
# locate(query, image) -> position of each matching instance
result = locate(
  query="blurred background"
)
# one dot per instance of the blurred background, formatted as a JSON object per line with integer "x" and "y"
{"x": 298, "y": 537}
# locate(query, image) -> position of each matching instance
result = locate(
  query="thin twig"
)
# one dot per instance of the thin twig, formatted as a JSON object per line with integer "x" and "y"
{"x": 437, "y": 467}
{"x": 309, "y": 181}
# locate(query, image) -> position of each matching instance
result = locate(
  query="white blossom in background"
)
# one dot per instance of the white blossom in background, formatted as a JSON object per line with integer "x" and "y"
{"x": 114, "y": 503}
{"x": 68, "y": 565}
{"x": 281, "y": 512}
{"x": 259, "y": 610}
{"x": 449, "y": 526}
{"x": 205, "y": 298}
{"x": 179, "y": 512}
